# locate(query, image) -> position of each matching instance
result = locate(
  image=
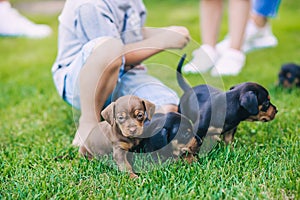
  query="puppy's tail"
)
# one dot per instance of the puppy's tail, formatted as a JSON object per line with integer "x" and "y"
{"x": 181, "y": 82}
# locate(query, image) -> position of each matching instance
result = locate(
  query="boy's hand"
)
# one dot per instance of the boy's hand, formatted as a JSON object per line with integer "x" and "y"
{"x": 172, "y": 37}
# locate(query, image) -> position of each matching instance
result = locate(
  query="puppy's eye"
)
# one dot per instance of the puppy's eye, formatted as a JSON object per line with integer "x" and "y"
{"x": 140, "y": 116}
{"x": 265, "y": 106}
{"x": 121, "y": 118}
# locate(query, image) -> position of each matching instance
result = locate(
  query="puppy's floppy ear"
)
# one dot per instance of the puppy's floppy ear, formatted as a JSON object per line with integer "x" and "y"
{"x": 108, "y": 113}
{"x": 249, "y": 102}
{"x": 150, "y": 108}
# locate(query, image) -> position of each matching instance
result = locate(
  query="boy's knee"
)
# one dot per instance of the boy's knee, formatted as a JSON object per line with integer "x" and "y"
{"x": 167, "y": 108}
{"x": 109, "y": 45}
{"x": 109, "y": 51}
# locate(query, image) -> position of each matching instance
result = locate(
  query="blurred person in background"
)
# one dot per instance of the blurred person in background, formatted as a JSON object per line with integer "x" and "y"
{"x": 207, "y": 57}
{"x": 231, "y": 52}
{"x": 13, "y": 24}
{"x": 258, "y": 34}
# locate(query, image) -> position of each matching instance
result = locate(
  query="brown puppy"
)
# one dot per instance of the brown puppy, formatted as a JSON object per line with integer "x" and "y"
{"x": 117, "y": 114}
{"x": 126, "y": 118}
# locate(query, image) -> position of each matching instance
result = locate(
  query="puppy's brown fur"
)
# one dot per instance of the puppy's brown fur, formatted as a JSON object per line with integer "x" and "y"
{"x": 123, "y": 125}
{"x": 126, "y": 117}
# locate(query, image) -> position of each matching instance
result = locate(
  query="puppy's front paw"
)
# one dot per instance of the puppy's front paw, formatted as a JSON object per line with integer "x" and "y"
{"x": 133, "y": 175}
{"x": 189, "y": 158}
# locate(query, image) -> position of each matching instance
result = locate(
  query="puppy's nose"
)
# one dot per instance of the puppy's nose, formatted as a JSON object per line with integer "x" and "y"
{"x": 132, "y": 129}
{"x": 275, "y": 110}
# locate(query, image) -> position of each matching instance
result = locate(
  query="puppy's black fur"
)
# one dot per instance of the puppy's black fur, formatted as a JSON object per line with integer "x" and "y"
{"x": 214, "y": 112}
{"x": 289, "y": 75}
{"x": 165, "y": 135}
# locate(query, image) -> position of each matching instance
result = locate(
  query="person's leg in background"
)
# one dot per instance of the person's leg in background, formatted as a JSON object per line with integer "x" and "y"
{"x": 210, "y": 12}
{"x": 210, "y": 23}
{"x": 13, "y": 24}
{"x": 258, "y": 33}
{"x": 206, "y": 57}
{"x": 233, "y": 59}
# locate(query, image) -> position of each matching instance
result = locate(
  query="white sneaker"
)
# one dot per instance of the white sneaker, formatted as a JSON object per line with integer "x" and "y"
{"x": 255, "y": 38}
{"x": 13, "y": 24}
{"x": 204, "y": 58}
{"x": 258, "y": 38}
{"x": 230, "y": 63}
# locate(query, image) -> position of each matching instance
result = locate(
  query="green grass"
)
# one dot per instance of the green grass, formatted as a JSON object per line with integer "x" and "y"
{"x": 36, "y": 126}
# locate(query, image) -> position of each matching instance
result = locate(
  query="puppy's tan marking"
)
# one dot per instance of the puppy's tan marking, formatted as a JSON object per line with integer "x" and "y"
{"x": 264, "y": 116}
{"x": 214, "y": 131}
{"x": 125, "y": 145}
{"x": 190, "y": 150}
{"x": 228, "y": 137}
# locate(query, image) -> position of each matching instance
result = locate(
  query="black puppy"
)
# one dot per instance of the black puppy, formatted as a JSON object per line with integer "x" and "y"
{"x": 166, "y": 135}
{"x": 214, "y": 112}
{"x": 289, "y": 75}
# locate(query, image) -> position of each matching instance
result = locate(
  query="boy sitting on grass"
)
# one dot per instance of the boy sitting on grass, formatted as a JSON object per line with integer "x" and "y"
{"x": 98, "y": 42}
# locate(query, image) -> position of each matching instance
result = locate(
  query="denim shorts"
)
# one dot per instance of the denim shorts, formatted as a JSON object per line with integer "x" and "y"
{"x": 134, "y": 82}
{"x": 139, "y": 83}
{"x": 266, "y": 8}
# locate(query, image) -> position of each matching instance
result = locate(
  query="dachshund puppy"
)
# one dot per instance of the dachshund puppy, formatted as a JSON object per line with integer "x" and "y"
{"x": 289, "y": 75}
{"x": 214, "y": 112}
{"x": 121, "y": 130}
{"x": 166, "y": 135}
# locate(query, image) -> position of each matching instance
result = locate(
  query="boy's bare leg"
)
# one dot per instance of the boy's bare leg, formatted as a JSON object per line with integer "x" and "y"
{"x": 98, "y": 78}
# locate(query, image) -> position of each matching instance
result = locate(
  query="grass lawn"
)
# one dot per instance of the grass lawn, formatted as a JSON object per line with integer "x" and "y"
{"x": 36, "y": 126}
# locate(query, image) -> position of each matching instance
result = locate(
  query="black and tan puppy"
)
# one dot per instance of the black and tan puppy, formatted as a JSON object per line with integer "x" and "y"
{"x": 121, "y": 130}
{"x": 214, "y": 112}
{"x": 289, "y": 75}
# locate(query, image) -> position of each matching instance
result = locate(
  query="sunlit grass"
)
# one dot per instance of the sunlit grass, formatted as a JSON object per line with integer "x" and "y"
{"x": 37, "y": 127}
